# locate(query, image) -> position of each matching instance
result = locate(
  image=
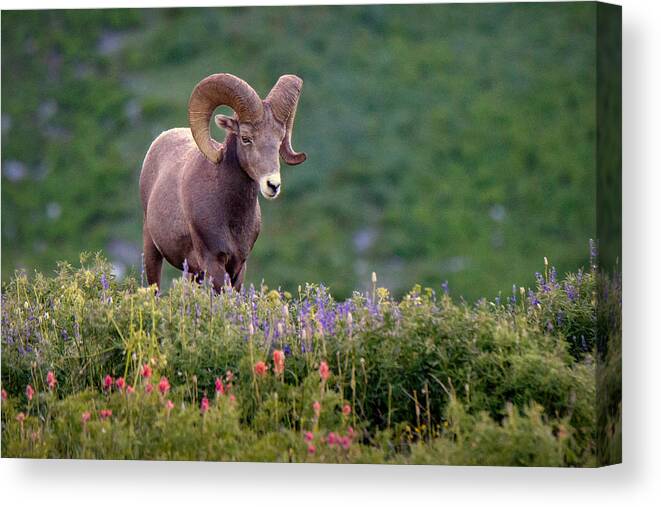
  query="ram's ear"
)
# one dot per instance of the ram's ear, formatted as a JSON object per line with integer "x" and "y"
{"x": 228, "y": 123}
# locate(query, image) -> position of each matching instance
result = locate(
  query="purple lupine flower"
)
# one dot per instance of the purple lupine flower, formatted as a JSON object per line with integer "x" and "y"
{"x": 532, "y": 298}
{"x": 553, "y": 274}
{"x": 593, "y": 252}
{"x": 185, "y": 270}
{"x": 579, "y": 277}
{"x": 287, "y": 349}
{"x": 570, "y": 291}
{"x": 560, "y": 318}
{"x": 104, "y": 282}
{"x": 445, "y": 287}
{"x": 512, "y": 298}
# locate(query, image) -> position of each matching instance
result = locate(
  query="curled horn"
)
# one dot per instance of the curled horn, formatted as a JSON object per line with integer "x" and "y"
{"x": 220, "y": 90}
{"x": 283, "y": 99}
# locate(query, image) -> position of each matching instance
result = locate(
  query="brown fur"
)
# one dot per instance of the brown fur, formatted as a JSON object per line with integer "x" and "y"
{"x": 207, "y": 213}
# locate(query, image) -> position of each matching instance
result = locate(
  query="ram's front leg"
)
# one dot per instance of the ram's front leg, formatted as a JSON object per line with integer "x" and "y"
{"x": 216, "y": 271}
{"x": 238, "y": 280}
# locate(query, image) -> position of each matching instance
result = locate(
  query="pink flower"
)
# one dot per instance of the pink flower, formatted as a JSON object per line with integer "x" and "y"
{"x": 107, "y": 383}
{"x": 316, "y": 406}
{"x": 105, "y": 413}
{"x": 129, "y": 390}
{"x": 332, "y": 438}
{"x": 219, "y": 387}
{"x": 29, "y": 392}
{"x": 20, "y": 417}
{"x": 4, "y": 395}
{"x": 278, "y": 362}
{"x": 346, "y": 410}
{"x": 149, "y": 388}
{"x": 324, "y": 372}
{"x": 232, "y": 398}
{"x": 260, "y": 368}
{"x": 86, "y": 417}
{"x": 164, "y": 385}
{"x": 229, "y": 376}
{"x": 312, "y": 449}
{"x": 51, "y": 380}
{"x": 169, "y": 405}
{"x": 308, "y": 436}
{"x": 204, "y": 405}
{"x": 345, "y": 442}
{"x": 350, "y": 431}
{"x": 120, "y": 383}
{"x": 146, "y": 371}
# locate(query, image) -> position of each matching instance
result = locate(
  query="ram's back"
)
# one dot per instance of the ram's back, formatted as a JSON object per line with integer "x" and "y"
{"x": 164, "y": 161}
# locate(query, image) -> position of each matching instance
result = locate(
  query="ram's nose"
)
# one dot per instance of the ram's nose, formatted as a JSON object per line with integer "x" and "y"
{"x": 274, "y": 186}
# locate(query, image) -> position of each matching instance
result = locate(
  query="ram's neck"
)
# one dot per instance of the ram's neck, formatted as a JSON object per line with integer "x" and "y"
{"x": 238, "y": 188}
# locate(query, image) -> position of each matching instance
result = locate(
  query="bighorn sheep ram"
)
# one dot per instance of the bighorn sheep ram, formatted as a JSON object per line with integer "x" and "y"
{"x": 199, "y": 196}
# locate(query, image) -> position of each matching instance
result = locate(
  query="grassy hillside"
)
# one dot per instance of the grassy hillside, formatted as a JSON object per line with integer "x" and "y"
{"x": 448, "y": 142}
{"x": 95, "y": 367}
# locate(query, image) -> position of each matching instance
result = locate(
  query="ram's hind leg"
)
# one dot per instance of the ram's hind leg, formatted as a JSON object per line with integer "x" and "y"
{"x": 153, "y": 260}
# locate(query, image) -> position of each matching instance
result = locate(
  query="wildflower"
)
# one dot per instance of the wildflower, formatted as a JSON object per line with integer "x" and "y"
{"x": 204, "y": 404}
{"x": 129, "y": 390}
{"x": 350, "y": 431}
{"x": 29, "y": 392}
{"x": 146, "y": 371}
{"x": 445, "y": 286}
{"x": 332, "y": 439}
{"x": 51, "y": 380}
{"x": 121, "y": 383}
{"x": 169, "y": 405}
{"x": 229, "y": 376}
{"x": 86, "y": 417}
{"x": 324, "y": 371}
{"x": 164, "y": 385}
{"x": 260, "y": 368}
{"x": 312, "y": 449}
{"x": 316, "y": 406}
{"x": 20, "y": 417}
{"x": 308, "y": 436}
{"x": 105, "y": 413}
{"x": 232, "y": 398}
{"x": 149, "y": 388}
{"x": 4, "y": 395}
{"x": 345, "y": 442}
{"x": 570, "y": 291}
{"x": 346, "y": 409}
{"x": 220, "y": 390}
{"x": 278, "y": 362}
{"x": 107, "y": 383}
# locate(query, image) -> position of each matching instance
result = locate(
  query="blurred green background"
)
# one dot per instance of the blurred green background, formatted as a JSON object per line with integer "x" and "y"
{"x": 445, "y": 142}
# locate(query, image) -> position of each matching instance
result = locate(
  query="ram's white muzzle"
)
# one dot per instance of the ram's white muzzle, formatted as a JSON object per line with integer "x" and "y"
{"x": 269, "y": 185}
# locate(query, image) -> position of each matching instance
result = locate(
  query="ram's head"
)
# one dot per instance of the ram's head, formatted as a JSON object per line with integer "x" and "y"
{"x": 262, "y": 127}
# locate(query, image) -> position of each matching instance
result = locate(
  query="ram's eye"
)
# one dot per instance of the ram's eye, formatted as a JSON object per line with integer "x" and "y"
{"x": 246, "y": 140}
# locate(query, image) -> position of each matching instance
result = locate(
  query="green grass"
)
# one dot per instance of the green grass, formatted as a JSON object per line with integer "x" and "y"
{"x": 420, "y": 379}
